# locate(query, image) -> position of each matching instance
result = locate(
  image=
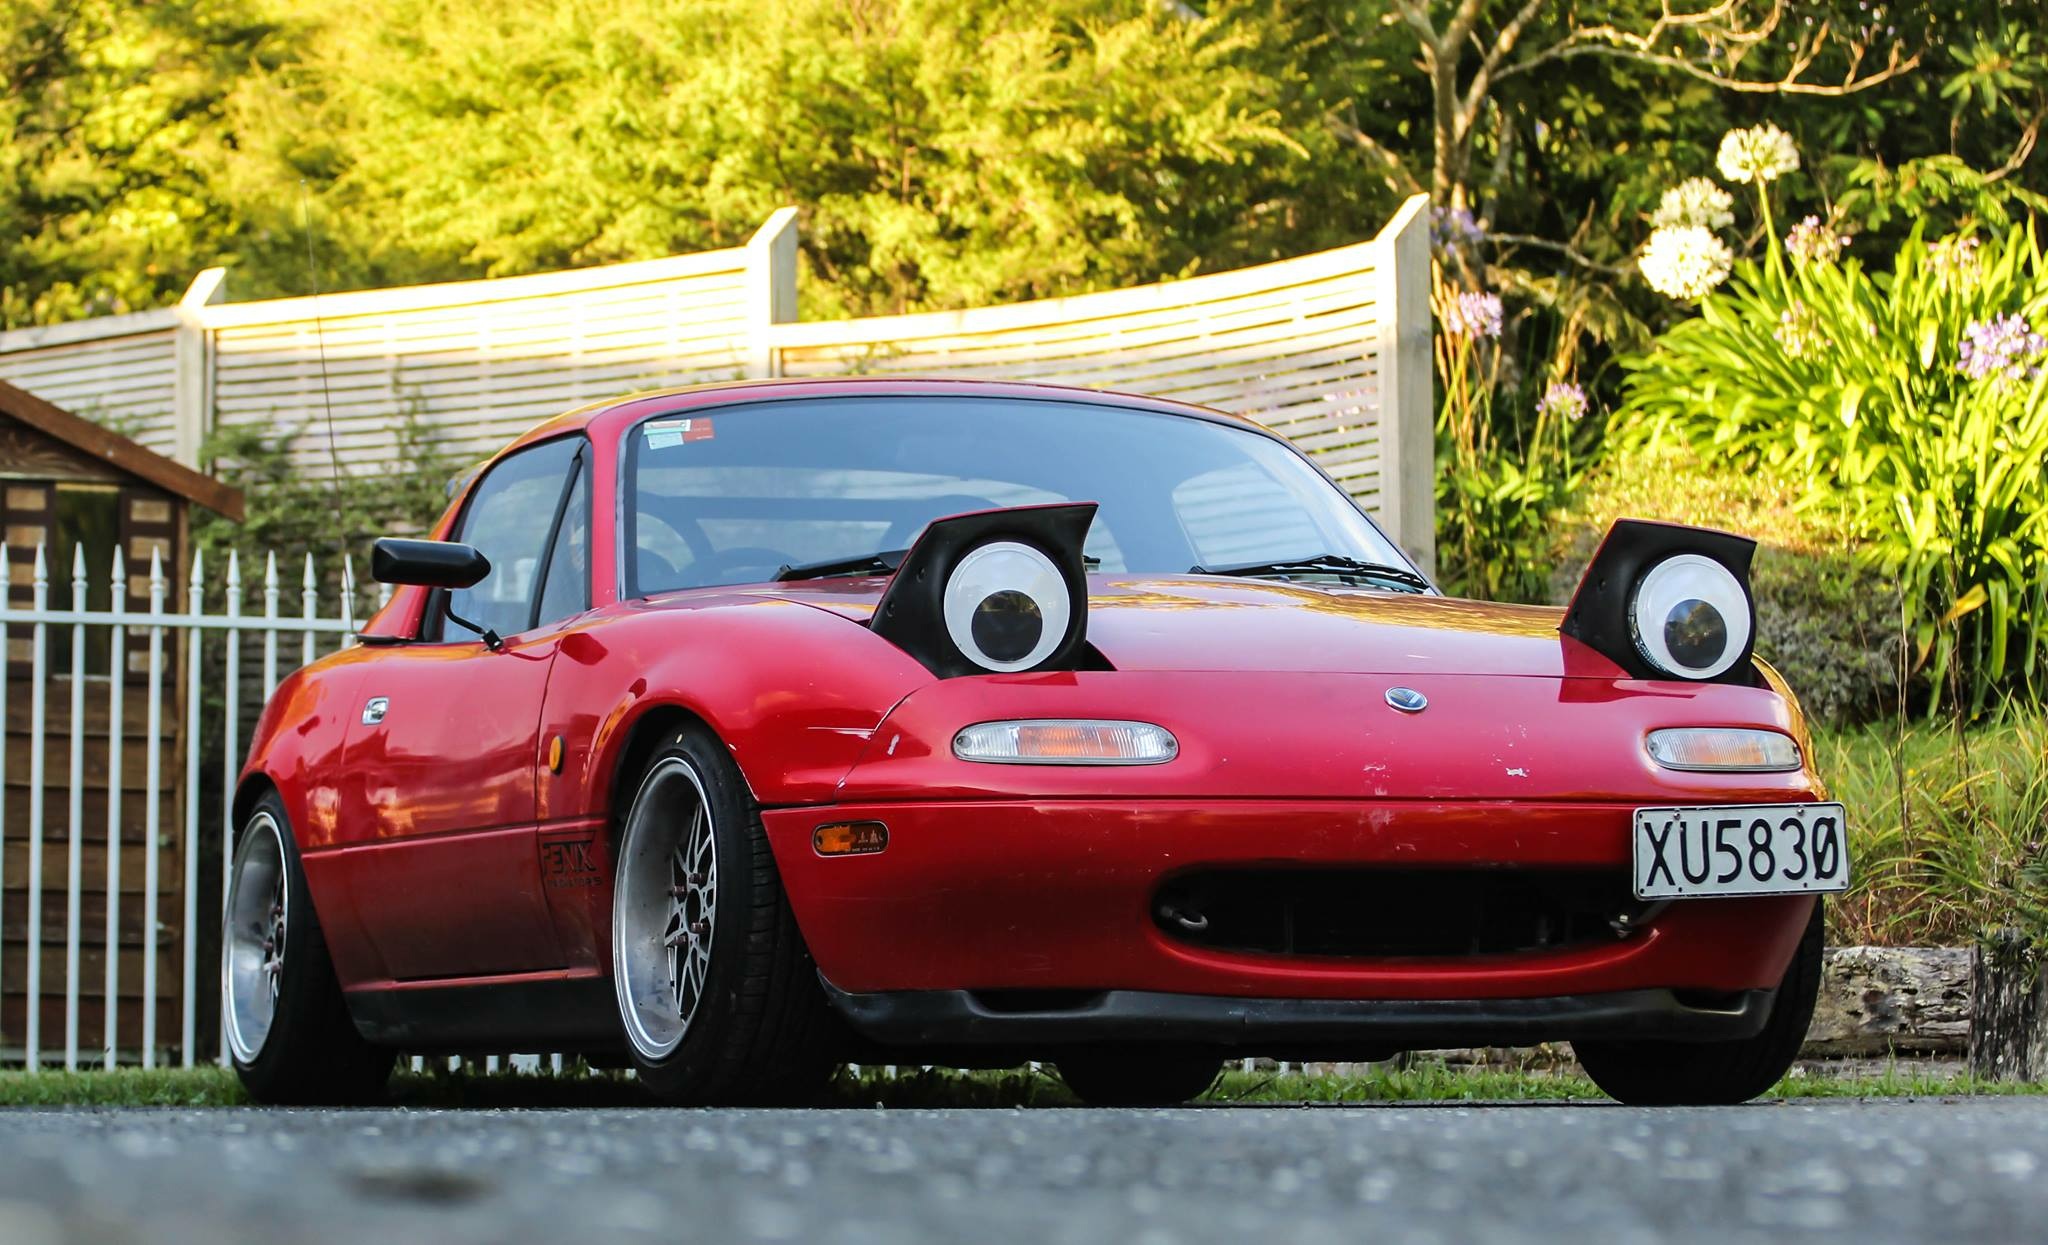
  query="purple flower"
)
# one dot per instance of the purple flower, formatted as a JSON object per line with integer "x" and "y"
{"x": 1798, "y": 332}
{"x": 2006, "y": 346}
{"x": 1956, "y": 259}
{"x": 1474, "y": 315}
{"x": 1563, "y": 398}
{"x": 1812, "y": 241}
{"x": 1455, "y": 227}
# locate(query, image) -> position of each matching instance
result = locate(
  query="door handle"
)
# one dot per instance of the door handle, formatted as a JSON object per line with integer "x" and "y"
{"x": 375, "y": 709}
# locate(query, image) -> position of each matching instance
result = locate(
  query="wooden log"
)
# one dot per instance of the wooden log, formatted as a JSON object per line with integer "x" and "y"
{"x": 1878, "y": 1001}
{"x": 2008, "y": 1040}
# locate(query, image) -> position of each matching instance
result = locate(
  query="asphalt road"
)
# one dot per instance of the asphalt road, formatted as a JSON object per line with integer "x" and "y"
{"x": 1890, "y": 1171}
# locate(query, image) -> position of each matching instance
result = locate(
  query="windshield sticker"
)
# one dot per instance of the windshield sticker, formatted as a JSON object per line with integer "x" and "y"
{"x": 659, "y": 434}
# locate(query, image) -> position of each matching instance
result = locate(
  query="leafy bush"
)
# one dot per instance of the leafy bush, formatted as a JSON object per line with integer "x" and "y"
{"x": 1506, "y": 460}
{"x": 1946, "y": 831}
{"x": 1916, "y": 397}
{"x": 1827, "y": 620}
{"x": 1494, "y": 518}
{"x": 293, "y": 513}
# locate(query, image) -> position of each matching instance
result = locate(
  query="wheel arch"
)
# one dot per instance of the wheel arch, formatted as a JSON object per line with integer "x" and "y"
{"x": 793, "y": 727}
{"x": 643, "y": 736}
{"x": 248, "y": 794}
{"x": 255, "y": 785}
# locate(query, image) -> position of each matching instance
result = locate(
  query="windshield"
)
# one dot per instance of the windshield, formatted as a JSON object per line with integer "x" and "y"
{"x": 737, "y": 494}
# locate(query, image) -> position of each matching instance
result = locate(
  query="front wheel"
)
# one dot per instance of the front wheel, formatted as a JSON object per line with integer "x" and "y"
{"x": 717, "y": 994}
{"x": 288, "y": 1028}
{"x": 1673, "y": 1074}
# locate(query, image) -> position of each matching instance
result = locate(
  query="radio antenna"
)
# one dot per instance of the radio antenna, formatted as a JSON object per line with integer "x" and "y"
{"x": 348, "y": 589}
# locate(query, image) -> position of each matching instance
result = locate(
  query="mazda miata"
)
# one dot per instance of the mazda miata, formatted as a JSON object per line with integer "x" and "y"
{"x": 736, "y": 732}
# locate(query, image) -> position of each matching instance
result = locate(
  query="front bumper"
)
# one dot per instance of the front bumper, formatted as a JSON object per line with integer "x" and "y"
{"x": 961, "y": 1020}
{"x": 992, "y": 895}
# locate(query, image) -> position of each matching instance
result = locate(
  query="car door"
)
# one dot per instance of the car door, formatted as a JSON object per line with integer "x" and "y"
{"x": 437, "y": 798}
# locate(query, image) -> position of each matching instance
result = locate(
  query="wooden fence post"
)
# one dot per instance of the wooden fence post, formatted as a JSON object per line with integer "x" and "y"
{"x": 192, "y": 377}
{"x": 2008, "y": 1039}
{"x": 771, "y": 288}
{"x": 1407, "y": 385}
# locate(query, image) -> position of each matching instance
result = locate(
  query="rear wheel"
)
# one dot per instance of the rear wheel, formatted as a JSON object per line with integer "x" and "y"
{"x": 288, "y": 1028}
{"x": 1138, "y": 1078}
{"x": 1668, "y": 1074}
{"x": 717, "y": 994}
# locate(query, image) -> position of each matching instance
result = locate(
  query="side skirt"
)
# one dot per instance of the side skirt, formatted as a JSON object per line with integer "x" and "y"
{"x": 526, "y": 1013}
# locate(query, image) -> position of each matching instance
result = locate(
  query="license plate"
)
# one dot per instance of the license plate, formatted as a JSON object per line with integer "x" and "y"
{"x": 1740, "y": 849}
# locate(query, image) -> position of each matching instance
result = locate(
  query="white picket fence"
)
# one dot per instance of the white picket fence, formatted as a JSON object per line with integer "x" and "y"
{"x": 285, "y": 641}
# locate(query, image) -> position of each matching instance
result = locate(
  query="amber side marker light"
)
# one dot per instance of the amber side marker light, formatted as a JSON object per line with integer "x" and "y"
{"x": 850, "y": 838}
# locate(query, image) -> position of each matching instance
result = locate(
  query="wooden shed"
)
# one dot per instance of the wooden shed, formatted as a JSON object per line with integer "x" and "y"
{"x": 69, "y": 484}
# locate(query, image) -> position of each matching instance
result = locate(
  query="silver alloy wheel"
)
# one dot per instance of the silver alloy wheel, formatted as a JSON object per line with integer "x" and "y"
{"x": 664, "y": 908}
{"x": 252, "y": 940}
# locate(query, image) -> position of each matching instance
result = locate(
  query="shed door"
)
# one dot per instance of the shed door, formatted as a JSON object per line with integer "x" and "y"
{"x": 61, "y": 515}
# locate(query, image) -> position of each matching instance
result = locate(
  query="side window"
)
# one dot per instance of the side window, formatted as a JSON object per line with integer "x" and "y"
{"x": 509, "y": 519}
{"x": 566, "y": 590}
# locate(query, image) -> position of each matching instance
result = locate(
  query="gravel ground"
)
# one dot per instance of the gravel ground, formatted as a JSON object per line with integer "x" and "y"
{"x": 1882, "y": 1171}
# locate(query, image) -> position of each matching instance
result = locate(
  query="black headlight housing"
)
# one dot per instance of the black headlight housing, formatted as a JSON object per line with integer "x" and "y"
{"x": 993, "y": 592}
{"x": 1668, "y": 601}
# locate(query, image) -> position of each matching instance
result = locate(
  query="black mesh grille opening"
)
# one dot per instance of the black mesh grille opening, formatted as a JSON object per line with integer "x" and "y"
{"x": 1394, "y": 912}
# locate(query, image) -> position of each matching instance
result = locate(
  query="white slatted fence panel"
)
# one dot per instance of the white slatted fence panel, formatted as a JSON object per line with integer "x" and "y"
{"x": 476, "y": 362}
{"x": 1331, "y": 350}
{"x": 1301, "y": 346}
{"x": 119, "y": 370}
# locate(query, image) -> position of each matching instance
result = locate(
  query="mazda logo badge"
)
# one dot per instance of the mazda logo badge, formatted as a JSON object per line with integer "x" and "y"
{"x": 1407, "y": 699}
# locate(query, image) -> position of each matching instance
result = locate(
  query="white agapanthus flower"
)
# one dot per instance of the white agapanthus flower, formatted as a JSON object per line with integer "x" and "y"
{"x": 1762, "y": 153}
{"x": 1694, "y": 201}
{"x": 1685, "y": 262}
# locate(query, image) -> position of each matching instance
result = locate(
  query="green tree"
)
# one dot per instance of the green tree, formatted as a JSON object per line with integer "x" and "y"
{"x": 115, "y": 128}
{"x": 942, "y": 154}
{"x": 1559, "y": 123}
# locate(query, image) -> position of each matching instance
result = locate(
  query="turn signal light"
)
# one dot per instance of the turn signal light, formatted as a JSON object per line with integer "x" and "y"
{"x": 1728, "y": 749}
{"x": 1066, "y": 742}
{"x": 850, "y": 838}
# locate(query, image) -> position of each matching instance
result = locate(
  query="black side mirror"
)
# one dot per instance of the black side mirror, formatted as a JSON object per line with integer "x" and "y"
{"x": 428, "y": 563}
{"x": 434, "y": 564}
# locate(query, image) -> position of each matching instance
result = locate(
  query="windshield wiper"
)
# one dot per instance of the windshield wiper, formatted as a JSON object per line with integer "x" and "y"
{"x": 883, "y": 563}
{"x": 1324, "y": 564}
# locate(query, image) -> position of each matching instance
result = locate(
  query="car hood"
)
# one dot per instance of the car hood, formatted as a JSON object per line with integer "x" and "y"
{"x": 1200, "y": 622}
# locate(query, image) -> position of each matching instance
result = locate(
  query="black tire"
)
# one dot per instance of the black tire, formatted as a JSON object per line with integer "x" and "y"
{"x": 308, "y": 1052}
{"x": 1704, "y": 1074}
{"x": 759, "y": 1030}
{"x": 1138, "y": 1078}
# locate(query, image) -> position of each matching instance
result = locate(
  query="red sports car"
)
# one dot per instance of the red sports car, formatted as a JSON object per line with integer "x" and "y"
{"x": 738, "y": 731}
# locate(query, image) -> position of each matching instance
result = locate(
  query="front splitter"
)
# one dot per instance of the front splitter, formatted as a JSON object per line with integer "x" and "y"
{"x": 950, "y": 1019}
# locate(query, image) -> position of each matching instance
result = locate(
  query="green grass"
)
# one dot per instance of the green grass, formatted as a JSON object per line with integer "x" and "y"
{"x": 123, "y": 1087}
{"x": 1946, "y": 829}
{"x": 1425, "y": 1081}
